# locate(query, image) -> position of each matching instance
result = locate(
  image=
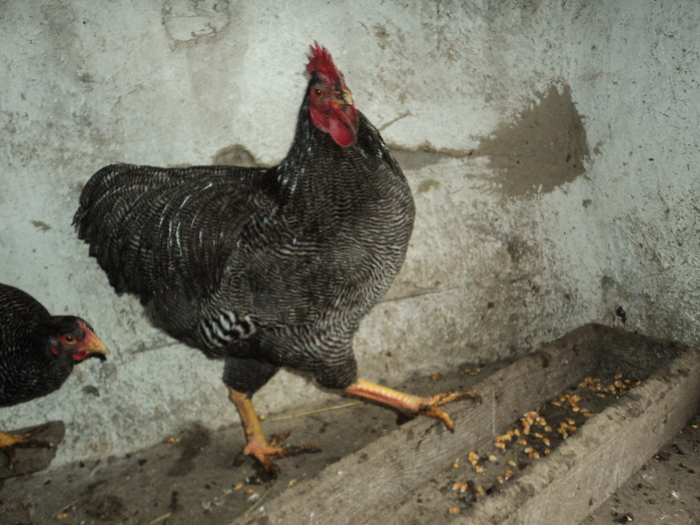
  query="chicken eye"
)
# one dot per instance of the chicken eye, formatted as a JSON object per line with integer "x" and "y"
{"x": 317, "y": 92}
{"x": 69, "y": 339}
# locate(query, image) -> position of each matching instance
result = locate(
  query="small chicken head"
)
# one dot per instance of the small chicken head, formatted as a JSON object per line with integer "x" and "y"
{"x": 73, "y": 336}
{"x": 332, "y": 109}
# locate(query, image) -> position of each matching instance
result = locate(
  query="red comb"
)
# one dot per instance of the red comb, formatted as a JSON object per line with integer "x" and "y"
{"x": 322, "y": 63}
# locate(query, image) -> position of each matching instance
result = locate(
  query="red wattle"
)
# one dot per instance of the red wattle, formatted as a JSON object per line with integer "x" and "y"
{"x": 319, "y": 118}
{"x": 341, "y": 133}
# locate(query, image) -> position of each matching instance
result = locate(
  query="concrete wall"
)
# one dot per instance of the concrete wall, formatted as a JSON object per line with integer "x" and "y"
{"x": 552, "y": 148}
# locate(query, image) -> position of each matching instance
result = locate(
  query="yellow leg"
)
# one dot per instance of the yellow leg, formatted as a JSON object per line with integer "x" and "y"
{"x": 409, "y": 404}
{"x": 261, "y": 449}
{"x": 9, "y": 440}
{"x": 13, "y": 440}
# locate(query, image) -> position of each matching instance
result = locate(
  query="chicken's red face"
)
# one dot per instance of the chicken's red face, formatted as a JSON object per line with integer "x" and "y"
{"x": 76, "y": 338}
{"x": 332, "y": 109}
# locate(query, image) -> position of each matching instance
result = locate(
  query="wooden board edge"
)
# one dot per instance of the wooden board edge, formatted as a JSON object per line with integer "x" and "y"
{"x": 401, "y": 461}
{"x": 569, "y": 484}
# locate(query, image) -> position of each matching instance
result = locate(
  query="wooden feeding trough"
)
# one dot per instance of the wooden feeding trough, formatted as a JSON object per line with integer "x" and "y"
{"x": 370, "y": 485}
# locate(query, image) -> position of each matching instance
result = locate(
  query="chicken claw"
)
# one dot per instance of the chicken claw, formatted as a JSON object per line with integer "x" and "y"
{"x": 264, "y": 452}
{"x": 431, "y": 405}
{"x": 411, "y": 405}
{"x": 258, "y": 447}
{"x": 10, "y": 442}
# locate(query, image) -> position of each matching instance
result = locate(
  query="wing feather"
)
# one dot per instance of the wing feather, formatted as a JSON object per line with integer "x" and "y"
{"x": 155, "y": 229}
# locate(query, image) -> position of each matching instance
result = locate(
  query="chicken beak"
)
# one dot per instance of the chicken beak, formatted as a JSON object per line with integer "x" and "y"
{"x": 95, "y": 346}
{"x": 91, "y": 346}
{"x": 345, "y": 97}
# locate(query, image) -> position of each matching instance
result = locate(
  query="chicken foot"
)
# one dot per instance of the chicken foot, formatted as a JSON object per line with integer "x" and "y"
{"x": 409, "y": 404}
{"x": 257, "y": 445}
{"x": 9, "y": 442}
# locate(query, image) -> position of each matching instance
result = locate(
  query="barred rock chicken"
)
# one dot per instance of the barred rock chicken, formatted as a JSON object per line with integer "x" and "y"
{"x": 37, "y": 352}
{"x": 266, "y": 267}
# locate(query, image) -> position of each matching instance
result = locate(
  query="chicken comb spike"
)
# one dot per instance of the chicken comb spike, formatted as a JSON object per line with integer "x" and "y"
{"x": 322, "y": 63}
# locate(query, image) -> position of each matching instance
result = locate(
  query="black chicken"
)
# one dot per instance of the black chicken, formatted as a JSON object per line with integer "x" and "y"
{"x": 37, "y": 352}
{"x": 266, "y": 267}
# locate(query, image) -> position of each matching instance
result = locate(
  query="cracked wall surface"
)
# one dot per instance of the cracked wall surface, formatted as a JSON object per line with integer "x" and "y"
{"x": 552, "y": 149}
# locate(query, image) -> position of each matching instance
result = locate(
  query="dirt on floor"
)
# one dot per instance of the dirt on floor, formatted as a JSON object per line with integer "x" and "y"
{"x": 195, "y": 477}
{"x": 666, "y": 490}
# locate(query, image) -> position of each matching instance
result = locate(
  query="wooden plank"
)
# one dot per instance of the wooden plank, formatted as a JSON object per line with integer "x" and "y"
{"x": 401, "y": 461}
{"x": 28, "y": 460}
{"x": 580, "y": 474}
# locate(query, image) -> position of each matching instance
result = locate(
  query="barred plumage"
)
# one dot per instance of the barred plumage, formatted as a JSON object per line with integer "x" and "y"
{"x": 312, "y": 242}
{"x": 265, "y": 267}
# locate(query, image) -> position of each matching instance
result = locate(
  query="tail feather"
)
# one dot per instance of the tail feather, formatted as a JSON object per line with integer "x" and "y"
{"x": 110, "y": 219}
